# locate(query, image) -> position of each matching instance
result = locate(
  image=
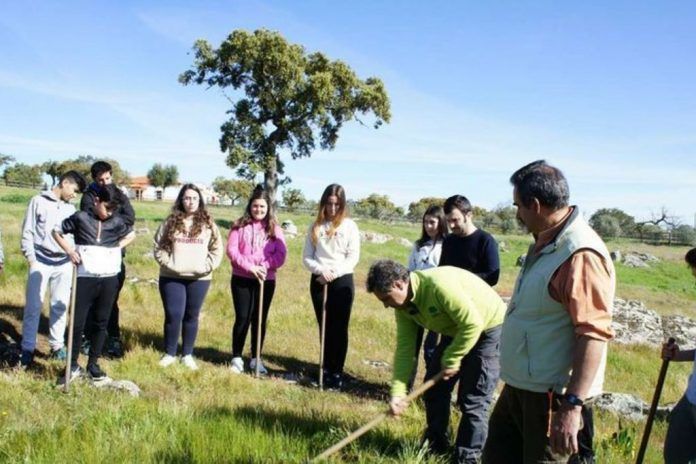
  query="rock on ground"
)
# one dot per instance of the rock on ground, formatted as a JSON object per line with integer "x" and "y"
{"x": 628, "y": 406}
{"x": 634, "y": 323}
{"x": 374, "y": 237}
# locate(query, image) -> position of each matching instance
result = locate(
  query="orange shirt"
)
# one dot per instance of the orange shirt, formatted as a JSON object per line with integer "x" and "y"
{"x": 583, "y": 285}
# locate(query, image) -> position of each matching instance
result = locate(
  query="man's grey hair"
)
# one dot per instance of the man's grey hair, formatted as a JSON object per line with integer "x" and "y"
{"x": 542, "y": 181}
{"x": 383, "y": 274}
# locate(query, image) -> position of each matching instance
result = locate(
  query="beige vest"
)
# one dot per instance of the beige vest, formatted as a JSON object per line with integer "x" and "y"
{"x": 538, "y": 337}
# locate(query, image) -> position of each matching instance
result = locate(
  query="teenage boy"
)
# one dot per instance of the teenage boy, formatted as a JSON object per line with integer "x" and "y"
{"x": 100, "y": 236}
{"x": 101, "y": 172}
{"x": 49, "y": 265}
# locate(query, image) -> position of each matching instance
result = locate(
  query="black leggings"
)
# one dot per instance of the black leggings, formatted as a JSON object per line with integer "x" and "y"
{"x": 338, "y": 306}
{"x": 245, "y": 297}
{"x": 113, "y": 328}
{"x": 93, "y": 295}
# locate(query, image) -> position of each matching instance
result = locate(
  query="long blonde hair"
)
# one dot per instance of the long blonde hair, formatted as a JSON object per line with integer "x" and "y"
{"x": 340, "y": 194}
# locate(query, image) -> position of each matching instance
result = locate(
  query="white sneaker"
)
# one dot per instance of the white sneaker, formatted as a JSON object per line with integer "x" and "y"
{"x": 189, "y": 362}
{"x": 167, "y": 360}
{"x": 262, "y": 368}
{"x": 237, "y": 365}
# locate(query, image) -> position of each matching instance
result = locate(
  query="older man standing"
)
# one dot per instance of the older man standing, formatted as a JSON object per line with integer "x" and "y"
{"x": 456, "y": 303}
{"x": 553, "y": 343}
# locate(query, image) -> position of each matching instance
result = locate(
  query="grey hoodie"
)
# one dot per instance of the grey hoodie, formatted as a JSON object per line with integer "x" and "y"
{"x": 45, "y": 213}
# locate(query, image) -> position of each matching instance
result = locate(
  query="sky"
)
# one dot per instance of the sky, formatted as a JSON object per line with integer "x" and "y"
{"x": 604, "y": 90}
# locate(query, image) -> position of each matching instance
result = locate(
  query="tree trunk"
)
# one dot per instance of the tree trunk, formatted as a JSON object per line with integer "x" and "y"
{"x": 270, "y": 180}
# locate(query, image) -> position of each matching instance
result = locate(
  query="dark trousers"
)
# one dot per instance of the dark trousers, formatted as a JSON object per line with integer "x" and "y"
{"x": 429, "y": 346}
{"x": 478, "y": 376}
{"x": 182, "y": 300}
{"x": 518, "y": 427}
{"x": 339, "y": 303}
{"x": 586, "y": 453}
{"x": 93, "y": 295}
{"x": 245, "y": 297}
{"x": 113, "y": 328}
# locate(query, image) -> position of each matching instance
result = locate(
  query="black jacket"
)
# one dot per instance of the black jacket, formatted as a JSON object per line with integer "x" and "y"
{"x": 85, "y": 226}
{"x": 125, "y": 210}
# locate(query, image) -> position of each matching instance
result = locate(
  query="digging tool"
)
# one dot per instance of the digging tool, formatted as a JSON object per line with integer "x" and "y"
{"x": 258, "y": 331}
{"x": 377, "y": 419}
{"x": 323, "y": 336}
{"x": 71, "y": 328}
{"x": 653, "y": 406}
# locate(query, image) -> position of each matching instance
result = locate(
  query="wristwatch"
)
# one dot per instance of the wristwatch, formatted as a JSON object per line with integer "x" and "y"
{"x": 573, "y": 399}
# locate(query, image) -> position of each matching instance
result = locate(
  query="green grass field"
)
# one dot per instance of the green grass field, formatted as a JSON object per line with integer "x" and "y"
{"x": 212, "y": 415}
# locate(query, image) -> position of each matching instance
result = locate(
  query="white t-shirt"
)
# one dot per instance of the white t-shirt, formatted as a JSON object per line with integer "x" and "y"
{"x": 98, "y": 261}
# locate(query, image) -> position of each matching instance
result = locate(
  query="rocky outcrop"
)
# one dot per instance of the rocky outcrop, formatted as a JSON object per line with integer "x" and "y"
{"x": 628, "y": 406}
{"x": 636, "y": 259}
{"x": 636, "y": 324}
{"x": 289, "y": 229}
{"x": 374, "y": 237}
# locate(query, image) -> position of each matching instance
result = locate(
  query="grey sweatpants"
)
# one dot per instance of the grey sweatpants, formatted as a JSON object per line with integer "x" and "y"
{"x": 57, "y": 279}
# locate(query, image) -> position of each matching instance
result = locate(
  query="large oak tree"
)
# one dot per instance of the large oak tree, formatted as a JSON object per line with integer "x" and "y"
{"x": 285, "y": 99}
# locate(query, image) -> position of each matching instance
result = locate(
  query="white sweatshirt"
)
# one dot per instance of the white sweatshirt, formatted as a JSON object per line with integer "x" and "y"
{"x": 339, "y": 253}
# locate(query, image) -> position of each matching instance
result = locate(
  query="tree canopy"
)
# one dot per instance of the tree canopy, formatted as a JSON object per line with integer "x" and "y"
{"x": 234, "y": 189}
{"x": 23, "y": 175}
{"x": 6, "y": 159}
{"x": 293, "y": 198}
{"x": 416, "y": 209}
{"x": 287, "y": 99}
{"x": 82, "y": 164}
{"x": 163, "y": 176}
{"x": 378, "y": 206}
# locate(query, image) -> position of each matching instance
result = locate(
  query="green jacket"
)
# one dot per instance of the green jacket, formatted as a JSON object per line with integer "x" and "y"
{"x": 450, "y": 301}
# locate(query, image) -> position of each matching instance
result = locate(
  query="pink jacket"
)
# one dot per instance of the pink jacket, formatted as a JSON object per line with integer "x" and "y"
{"x": 249, "y": 246}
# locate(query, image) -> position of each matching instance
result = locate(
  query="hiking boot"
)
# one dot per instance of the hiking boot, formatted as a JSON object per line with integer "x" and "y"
{"x": 262, "y": 368}
{"x": 114, "y": 347}
{"x": 26, "y": 359}
{"x": 167, "y": 360}
{"x": 237, "y": 365}
{"x": 189, "y": 362}
{"x": 60, "y": 354}
{"x": 95, "y": 372}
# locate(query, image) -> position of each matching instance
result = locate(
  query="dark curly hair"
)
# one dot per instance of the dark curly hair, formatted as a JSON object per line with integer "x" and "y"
{"x": 175, "y": 221}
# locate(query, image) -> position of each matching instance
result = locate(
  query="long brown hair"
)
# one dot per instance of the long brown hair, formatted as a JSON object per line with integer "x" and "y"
{"x": 175, "y": 221}
{"x": 438, "y": 213}
{"x": 269, "y": 221}
{"x": 340, "y": 194}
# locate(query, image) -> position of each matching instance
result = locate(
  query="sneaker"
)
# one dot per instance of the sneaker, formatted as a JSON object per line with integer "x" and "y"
{"x": 237, "y": 365}
{"x": 262, "y": 368}
{"x": 167, "y": 360}
{"x": 189, "y": 362}
{"x": 60, "y": 354}
{"x": 26, "y": 358}
{"x": 95, "y": 372}
{"x": 75, "y": 372}
{"x": 114, "y": 347}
